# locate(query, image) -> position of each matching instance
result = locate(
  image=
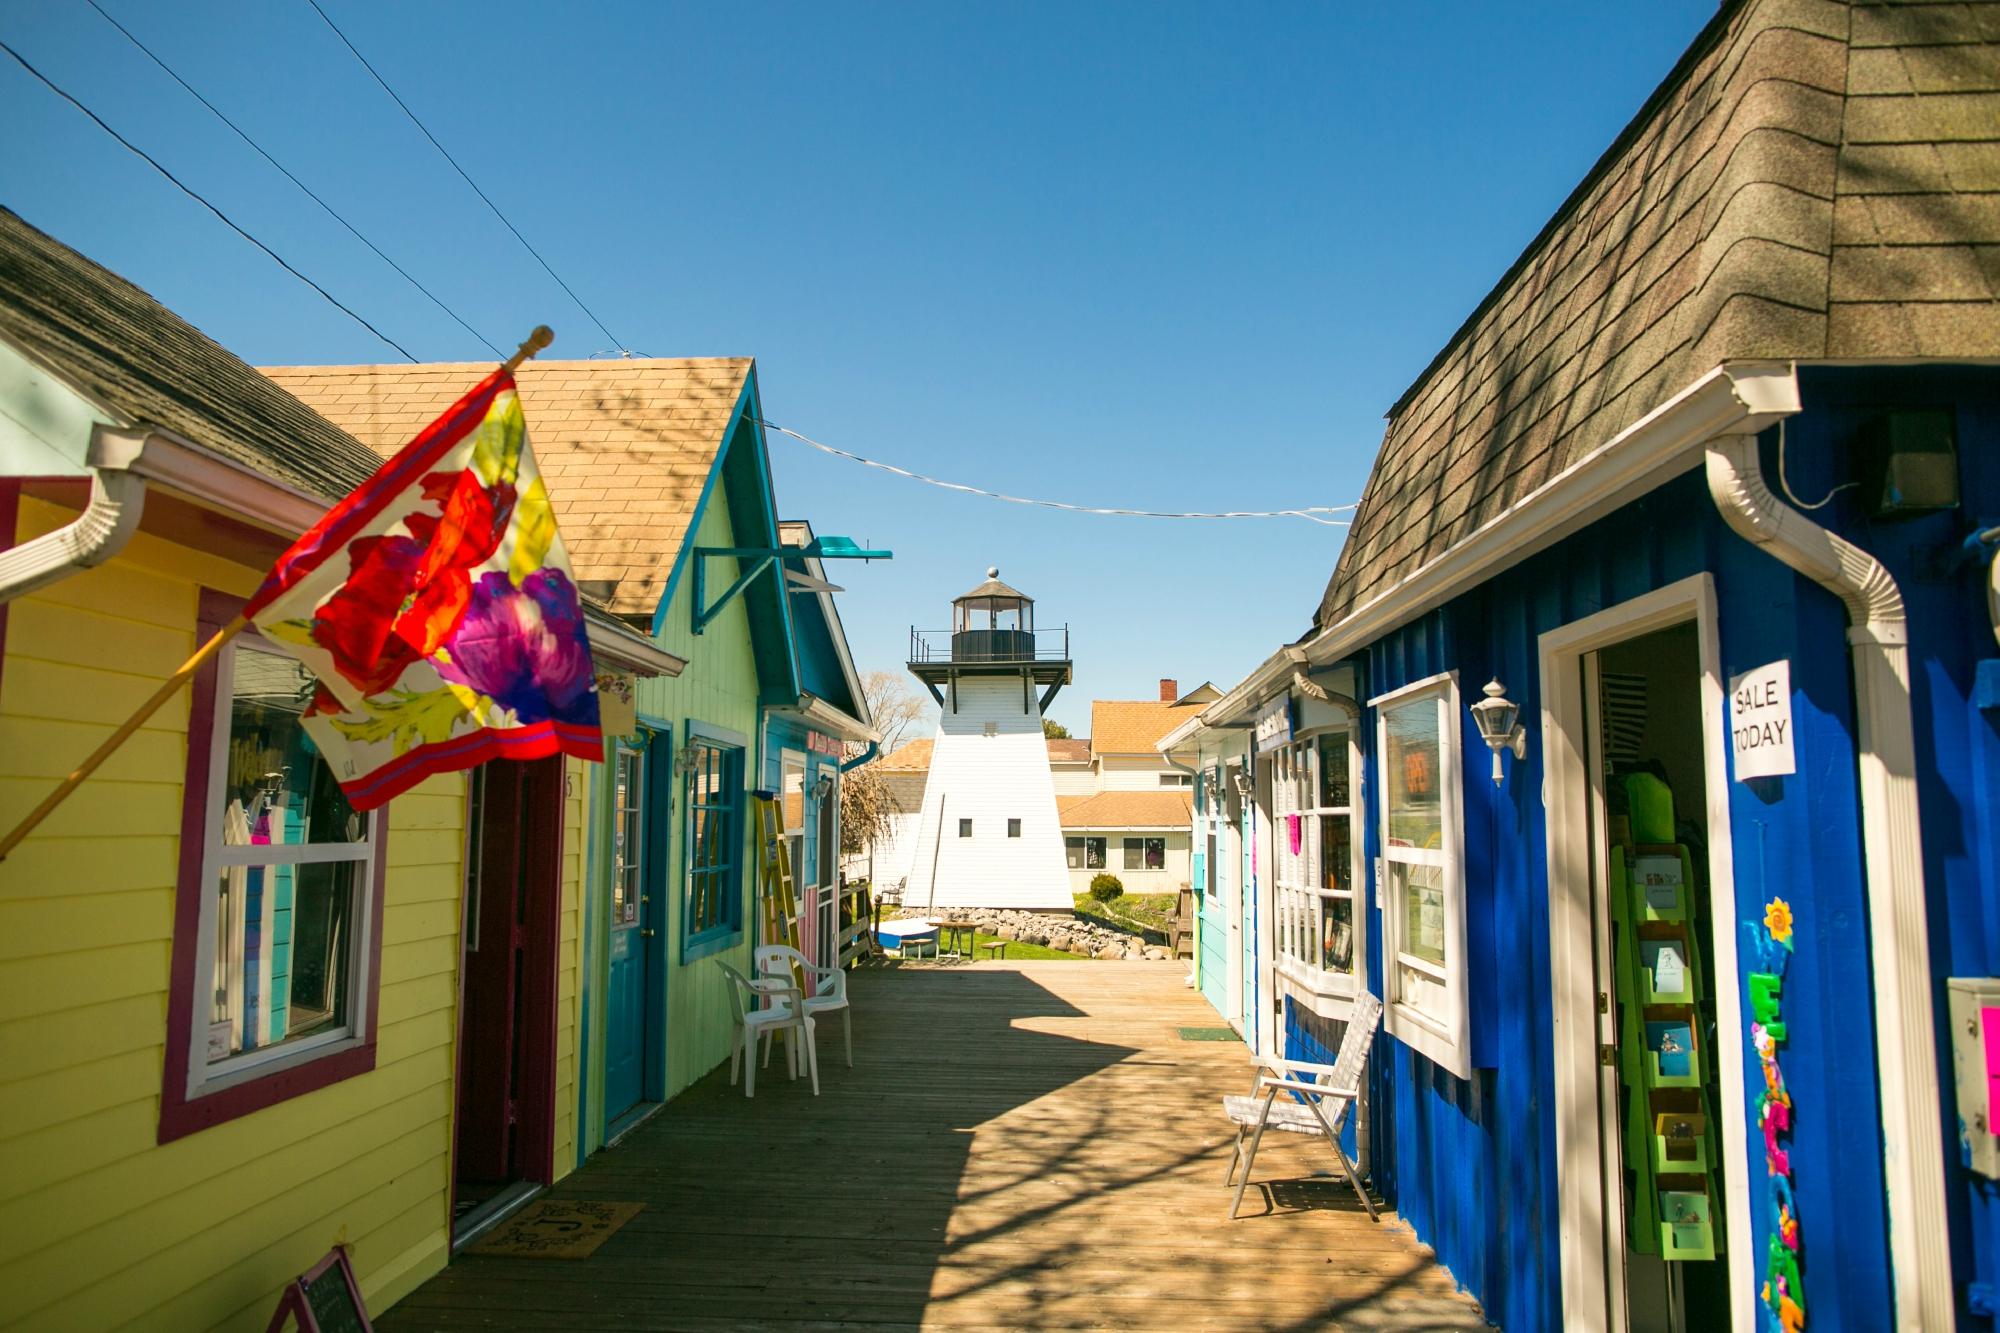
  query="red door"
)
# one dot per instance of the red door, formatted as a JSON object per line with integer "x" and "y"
{"x": 506, "y": 1051}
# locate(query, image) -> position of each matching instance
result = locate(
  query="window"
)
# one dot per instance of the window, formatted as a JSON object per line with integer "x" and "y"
{"x": 1423, "y": 893}
{"x": 829, "y": 833}
{"x": 1176, "y": 780}
{"x": 964, "y": 828}
{"x": 1315, "y": 914}
{"x": 1084, "y": 853}
{"x": 1013, "y": 828}
{"x": 274, "y": 989}
{"x": 1145, "y": 853}
{"x": 714, "y": 848}
{"x": 792, "y": 809}
{"x": 628, "y": 806}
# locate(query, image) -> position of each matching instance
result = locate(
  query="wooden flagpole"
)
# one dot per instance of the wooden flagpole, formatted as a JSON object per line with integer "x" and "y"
{"x": 536, "y": 341}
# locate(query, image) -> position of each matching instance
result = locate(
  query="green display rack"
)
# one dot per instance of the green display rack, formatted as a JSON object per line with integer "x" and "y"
{"x": 1672, "y": 1208}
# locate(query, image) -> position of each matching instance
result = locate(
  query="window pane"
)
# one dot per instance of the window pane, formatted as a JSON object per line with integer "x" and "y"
{"x": 1094, "y": 854}
{"x": 1336, "y": 853}
{"x": 1073, "y": 850}
{"x": 1414, "y": 773}
{"x": 1420, "y": 890}
{"x": 1135, "y": 854}
{"x": 1333, "y": 771}
{"x": 1336, "y": 934}
{"x": 1013, "y": 828}
{"x": 283, "y": 945}
{"x": 964, "y": 828}
{"x": 274, "y": 778}
{"x": 1156, "y": 853}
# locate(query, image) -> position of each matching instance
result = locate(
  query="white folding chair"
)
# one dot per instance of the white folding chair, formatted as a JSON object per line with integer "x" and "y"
{"x": 826, "y": 987}
{"x": 764, "y": 1007}
{"x": 1308, "y": 1089}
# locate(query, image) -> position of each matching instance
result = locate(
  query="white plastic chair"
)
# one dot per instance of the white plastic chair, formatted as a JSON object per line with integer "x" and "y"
{"x": 765, "y": 1007}
{"x": 1309, "y": 1088}
{"x": 826, "y": 987}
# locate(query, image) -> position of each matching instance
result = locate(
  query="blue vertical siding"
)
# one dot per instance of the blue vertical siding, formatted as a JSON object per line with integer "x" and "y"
{"x": 1470, "y": 1163}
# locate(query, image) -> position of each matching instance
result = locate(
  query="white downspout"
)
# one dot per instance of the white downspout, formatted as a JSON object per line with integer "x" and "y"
{"x": 1892, "y": 851}
{"x": 117, "y": 496}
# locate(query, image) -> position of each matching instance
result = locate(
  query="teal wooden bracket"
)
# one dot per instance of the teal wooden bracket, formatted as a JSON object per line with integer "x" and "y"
{"x": 761, "y": 558}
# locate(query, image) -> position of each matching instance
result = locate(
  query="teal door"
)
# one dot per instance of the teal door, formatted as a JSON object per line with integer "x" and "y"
{"x": 636, "y": 843}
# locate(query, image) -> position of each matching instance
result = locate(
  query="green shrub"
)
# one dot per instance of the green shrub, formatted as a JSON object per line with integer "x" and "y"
{"x": 1106, "y": 887}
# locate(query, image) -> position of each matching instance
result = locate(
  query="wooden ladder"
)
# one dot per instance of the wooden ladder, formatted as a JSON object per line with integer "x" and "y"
{"x": 776, "y": 896}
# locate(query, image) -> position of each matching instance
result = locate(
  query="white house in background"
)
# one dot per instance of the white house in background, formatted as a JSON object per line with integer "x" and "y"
{"x": 1125, "y": 809}
{"x": 987, "y": 834}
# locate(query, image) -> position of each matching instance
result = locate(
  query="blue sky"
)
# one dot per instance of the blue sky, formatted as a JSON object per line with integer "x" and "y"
{"x": 1152, "y": 255}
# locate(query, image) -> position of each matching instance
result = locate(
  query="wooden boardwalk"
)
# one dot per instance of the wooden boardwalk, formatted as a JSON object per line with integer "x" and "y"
{"x": 1019, "y": 1145}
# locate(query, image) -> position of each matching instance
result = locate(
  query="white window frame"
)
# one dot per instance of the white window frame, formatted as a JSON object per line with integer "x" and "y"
{"x": 1126, "y": 845}
{"x": 1296, "y": 898}
{"x": 204, "y": 1076}
{"x": 792, "y": 762}
{"x": 1438, "y": 1029}
{"x": 628, "y": 833}
{"x": 1104, "y": 856}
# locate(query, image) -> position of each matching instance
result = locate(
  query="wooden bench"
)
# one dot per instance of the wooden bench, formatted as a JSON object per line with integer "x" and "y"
{"x": 995, "y": 949}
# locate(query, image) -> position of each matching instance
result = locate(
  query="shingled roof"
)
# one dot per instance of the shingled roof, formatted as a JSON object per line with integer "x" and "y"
{"x": 1134, "y": 726}
{"x": 625, "y": 446}
{"x": 124, "y": 349}
{"x": 1814, "y": 180}
{"x": 1126, "y": 809}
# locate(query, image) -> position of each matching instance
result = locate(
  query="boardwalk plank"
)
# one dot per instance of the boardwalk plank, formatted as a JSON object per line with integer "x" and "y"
{"x": 1020, "y": 1145}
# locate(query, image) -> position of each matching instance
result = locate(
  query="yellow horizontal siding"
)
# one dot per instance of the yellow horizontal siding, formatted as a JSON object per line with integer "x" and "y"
{"x": 100, "y": 1225}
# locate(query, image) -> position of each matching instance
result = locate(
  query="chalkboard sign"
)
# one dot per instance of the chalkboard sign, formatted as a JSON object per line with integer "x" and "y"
{"x": 326, "y": 1299}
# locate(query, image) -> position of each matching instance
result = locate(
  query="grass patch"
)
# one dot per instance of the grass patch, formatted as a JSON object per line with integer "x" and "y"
{"x": 1135, "y": 911}
{"x": 1017, "y": 949}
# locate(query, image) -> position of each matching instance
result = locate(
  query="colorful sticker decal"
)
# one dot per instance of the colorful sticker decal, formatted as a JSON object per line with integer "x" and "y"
{"x": 1770, "y": 948}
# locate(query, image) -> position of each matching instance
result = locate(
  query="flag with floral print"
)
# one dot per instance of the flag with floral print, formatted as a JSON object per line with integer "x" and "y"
{"x": 436, "y": 607}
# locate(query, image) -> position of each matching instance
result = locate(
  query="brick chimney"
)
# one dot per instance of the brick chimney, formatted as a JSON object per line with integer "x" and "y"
{"x": 1170, "y": 690}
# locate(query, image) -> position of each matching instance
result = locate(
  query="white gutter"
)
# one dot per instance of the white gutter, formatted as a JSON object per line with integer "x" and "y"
{"x": 1727, "y": 400}
{"x": 117, "y": 498}
{"x": 628, "y": 650}
{"x": 1892, "y": 853}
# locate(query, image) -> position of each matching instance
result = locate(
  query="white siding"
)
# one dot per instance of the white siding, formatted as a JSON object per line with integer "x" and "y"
{"x": 989, "y": 779}
{"x": 1074, "y": 779}
{"x": 1117, "y": 772}
{"x": 1169, "y": 880}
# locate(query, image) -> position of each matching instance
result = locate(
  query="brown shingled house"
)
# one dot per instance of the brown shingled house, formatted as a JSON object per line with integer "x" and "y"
{"x": 1661, "y": 656}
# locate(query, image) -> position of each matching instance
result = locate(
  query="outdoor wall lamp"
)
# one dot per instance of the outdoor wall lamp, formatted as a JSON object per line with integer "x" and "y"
{"x": 1499, "y": 721}
{"x": 824, "y": 787}
{"x": 1242, "y": 784}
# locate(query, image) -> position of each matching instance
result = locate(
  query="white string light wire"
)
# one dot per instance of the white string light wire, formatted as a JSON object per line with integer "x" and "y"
{"x": 1310, "y": 513}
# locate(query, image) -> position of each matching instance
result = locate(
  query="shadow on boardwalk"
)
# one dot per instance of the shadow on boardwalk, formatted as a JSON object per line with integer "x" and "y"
{"x": 1023, "y": 1145}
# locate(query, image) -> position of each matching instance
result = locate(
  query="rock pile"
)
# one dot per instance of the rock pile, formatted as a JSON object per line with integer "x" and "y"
{"x": 1075, "y": 933}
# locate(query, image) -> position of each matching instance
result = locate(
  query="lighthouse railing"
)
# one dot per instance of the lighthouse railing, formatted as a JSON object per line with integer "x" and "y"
{"x": 940, "y": 646}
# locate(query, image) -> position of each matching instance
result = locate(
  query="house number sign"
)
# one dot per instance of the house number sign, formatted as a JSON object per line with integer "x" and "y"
{"x": 1760, "y": 722}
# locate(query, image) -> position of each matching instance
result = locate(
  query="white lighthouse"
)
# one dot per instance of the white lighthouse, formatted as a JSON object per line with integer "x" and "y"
{"x": 989, "y": 835}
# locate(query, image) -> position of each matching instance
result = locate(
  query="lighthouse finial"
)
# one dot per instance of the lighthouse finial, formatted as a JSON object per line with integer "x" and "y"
{"x": 993, "y": 571}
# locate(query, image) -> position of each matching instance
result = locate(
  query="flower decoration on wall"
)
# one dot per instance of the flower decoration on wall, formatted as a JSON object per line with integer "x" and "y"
{"x": 1778, "y": 920}
{"x": 1769, "y": 947}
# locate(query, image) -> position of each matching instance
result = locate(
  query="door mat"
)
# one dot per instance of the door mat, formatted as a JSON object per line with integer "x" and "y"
{"x": 558, "y": 1229}
{"x": 1208, "y": 1034}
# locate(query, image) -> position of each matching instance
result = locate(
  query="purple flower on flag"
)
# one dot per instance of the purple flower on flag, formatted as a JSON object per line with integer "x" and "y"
{"x": 525, "y": 648}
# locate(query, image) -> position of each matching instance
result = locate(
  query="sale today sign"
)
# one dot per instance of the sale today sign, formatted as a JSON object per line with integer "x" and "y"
{"x": 1760, "y": 722}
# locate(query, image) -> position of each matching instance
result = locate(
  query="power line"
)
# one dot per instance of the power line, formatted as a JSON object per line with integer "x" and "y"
{"x": 227, "y": 221}
{"x": 1310, "y": 513}
{"x": 462, "y": 174}
{"x": 259, "y": 149}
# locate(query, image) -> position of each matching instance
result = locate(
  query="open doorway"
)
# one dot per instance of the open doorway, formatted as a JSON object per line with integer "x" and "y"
{"x": 505, "y": 1121}
{"x": 1648, "y": 1054}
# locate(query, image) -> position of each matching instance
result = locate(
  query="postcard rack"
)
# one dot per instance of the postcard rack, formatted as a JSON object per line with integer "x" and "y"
{"x": 1666, "y": 1069}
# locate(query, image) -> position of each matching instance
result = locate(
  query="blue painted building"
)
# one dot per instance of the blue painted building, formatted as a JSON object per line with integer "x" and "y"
{"x": 1644, "y": 712}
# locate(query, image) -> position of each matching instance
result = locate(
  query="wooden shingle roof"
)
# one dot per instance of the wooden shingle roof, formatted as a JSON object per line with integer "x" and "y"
{"x": 1134, "y": 726}
{"x": 624, "y": 446}
{"x": 121, "y": 347}
{"x": 1814, "y": 180}
{"x": 1126, "y": 809}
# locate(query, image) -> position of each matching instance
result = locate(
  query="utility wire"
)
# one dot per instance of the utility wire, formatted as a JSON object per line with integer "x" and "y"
{"x": 1310, "y": 513}
{"x": 303, "y": 187}
{"x": 462, "y": 174}
{"x": 227, "y": 221}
